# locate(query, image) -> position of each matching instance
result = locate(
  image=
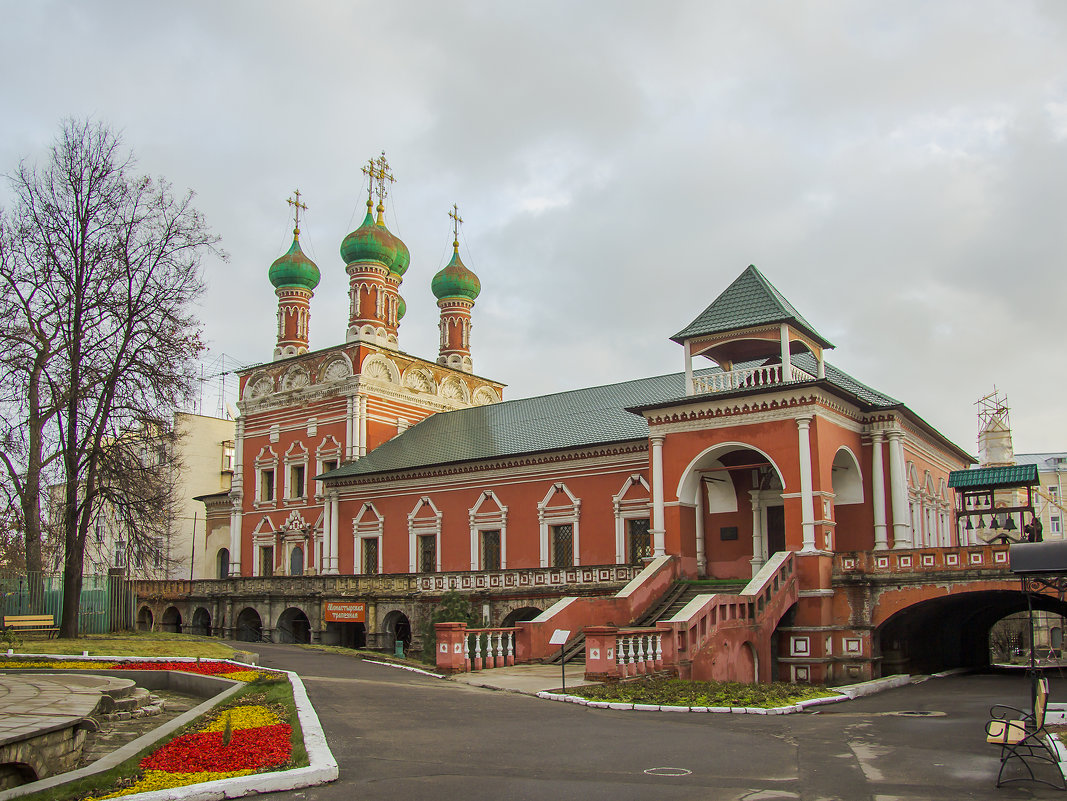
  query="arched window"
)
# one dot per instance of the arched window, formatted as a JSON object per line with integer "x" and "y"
{"x": 222, "y": 561}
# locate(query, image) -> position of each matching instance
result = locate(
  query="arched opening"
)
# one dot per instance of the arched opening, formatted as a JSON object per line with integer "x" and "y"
{"x": 346, "y": 635}
{"x": 14, "y": 774}
{"x": 201, "y": 622}
{"x": 955, "y": 631}
{"x": 749, "y": 662}
{"x": 518, "y": 615}
{"x": 296, "y": 561}
{"x": 736, "y": 491}
{"x": 249, "y": 626}
{"x": 171, "y": 620}
{"x": 222, "y": 563}
{"x": 397, "y": 628}
{"x": 293, "y": 626}
{"x": 144, "y": 619}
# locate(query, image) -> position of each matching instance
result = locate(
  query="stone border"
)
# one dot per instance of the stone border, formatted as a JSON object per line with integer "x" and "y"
{"x": 846, "y": 693}
{"x": 322, "y": 767}
{"x": 405, "y": 667}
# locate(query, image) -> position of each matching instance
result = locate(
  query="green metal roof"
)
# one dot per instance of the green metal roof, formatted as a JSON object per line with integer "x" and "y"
{"x": 582, "y": 417}
{"x": 749, "y": 301}
{"x": 1016, "y": 475}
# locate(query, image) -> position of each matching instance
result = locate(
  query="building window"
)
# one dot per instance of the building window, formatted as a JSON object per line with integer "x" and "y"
{"x": 266, "y": 560}
{"x": 427, "y": 553}
{"x": 1054, "y": 494}
{"x": 227, "y": 456}
{"x": 370, "y": 555}
{"x": 563, "y": 545}
{"x": 640, "y": 540}
{"x": 120, "y": 554}
{"x": 491, "y": 549}
{"x": 328, "y": 465}
{"x": 296, "y": 481}
{"x": 222, "y": 563}
{"x": 266, "y": 485}
{"x": 1054, "y": 524}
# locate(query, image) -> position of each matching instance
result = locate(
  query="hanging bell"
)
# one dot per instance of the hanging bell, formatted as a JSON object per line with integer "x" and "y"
{"x": 970, "y": 525}
{"x": 1010, "y": 525}
{"x": 981, "y": 523}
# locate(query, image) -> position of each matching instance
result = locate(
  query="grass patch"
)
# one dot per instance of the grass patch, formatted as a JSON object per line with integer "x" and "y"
{"x": 277, "y": 695}
{"x": 682, "y": 692}
{"x": 130, "y": 644}
{"x": 360, "y": 653}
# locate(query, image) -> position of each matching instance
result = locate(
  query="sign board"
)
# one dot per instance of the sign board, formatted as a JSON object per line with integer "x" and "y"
{"x": 345, "y": 612}
{"x": 559, "y": 637}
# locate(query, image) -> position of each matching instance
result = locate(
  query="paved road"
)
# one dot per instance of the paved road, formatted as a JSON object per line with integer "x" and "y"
{"x": 399, "y": 736}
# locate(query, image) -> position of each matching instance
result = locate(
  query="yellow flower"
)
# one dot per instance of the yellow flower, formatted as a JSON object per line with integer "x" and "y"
{"x": 243, "y": 717}
{"x": 161, "y": 780}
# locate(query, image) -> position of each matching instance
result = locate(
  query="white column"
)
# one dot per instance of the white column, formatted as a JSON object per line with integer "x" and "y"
{"x": 759, "y": 535}
{"x": 807, "y": 498}
{"x": 658, "y": 548}
{"x": 881, "y": 541}
{"x": 698, "y": 527}
{"x": 335, "y": 562}
{"x": 898, "y": 489}
{"x": 350, "y": 434}
{"x": 362, "y": 426}
{"x": 327, "y": 536}
{"x": 787, "y": 361}
{"x": 688, "y": 368}
{"x": 235, "y": 541}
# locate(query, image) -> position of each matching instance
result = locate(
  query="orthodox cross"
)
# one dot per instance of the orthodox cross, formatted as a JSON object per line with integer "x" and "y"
{"x": 297, "y": 206}
{"x": 377, "y": 170}
{"x": 456, "y": 220}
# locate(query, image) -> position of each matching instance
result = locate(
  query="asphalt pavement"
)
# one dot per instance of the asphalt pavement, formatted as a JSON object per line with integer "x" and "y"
{"x": 399, "y": 735}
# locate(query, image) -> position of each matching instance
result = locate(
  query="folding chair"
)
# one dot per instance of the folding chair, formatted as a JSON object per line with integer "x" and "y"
{"x": 1024, "y": 738}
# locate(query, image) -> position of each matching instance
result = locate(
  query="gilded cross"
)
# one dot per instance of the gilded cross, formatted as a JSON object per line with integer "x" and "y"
{"x": 297, "y": 206}
{"x": 456, "y": 220}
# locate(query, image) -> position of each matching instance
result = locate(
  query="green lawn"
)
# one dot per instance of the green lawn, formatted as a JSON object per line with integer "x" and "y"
{"x": 681, "y": 692}
{"x": 131, "y": 644}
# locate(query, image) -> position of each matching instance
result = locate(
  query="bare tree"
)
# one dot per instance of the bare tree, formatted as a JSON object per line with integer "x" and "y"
{"x": 102, "y": 266}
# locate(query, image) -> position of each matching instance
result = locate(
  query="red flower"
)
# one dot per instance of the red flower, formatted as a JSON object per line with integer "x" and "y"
{"x": 250, "y": 749}
{"x": 207, "y": 668}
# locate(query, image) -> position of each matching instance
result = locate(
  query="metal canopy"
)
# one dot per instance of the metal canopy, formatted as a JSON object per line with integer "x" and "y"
{"x": 1039, "y": 558}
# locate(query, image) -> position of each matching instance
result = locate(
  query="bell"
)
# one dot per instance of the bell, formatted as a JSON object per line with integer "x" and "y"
{"x": 970, "y": 525}
{"x": 1010, "y": 525}
{"x": 981, "y": 523}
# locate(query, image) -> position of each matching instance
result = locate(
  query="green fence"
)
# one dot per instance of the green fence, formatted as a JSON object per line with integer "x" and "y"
{"x": 107, "y": 600}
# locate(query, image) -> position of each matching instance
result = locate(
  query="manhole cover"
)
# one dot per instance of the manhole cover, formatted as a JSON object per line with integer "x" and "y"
{"x": 668, "y": 772}
{"x": 916, "y": 713}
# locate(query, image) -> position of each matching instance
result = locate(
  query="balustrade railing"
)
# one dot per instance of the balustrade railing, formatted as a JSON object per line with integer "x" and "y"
{"x": 638, "y": 651}
{"x": 489, "y": 648}
{"x": 731, "y": 380}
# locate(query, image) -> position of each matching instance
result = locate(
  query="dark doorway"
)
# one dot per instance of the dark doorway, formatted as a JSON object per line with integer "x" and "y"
{"x": 346, "y": 635}
{"x": 775, "y": 529}
{"x": 222, "y": 566}
{"x": 294, "y": 626}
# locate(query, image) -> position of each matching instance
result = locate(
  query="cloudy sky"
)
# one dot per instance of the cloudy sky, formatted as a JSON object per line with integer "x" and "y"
{"x": 898, "y": 170}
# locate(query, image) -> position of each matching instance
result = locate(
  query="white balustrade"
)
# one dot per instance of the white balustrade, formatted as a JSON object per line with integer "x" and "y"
{"x": 499, "y": 648}
{"x": 731, "y": 380}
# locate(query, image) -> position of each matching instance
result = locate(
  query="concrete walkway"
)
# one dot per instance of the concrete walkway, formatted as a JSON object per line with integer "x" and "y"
{"x": 528, "y": 679}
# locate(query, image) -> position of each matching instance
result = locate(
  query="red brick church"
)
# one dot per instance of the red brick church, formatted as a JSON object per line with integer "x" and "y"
{"x": 695, "y": 519}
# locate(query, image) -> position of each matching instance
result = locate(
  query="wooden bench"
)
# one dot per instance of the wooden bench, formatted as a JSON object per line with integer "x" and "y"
{"x": 1024, "y": 738}
{"x": 32, "y": 624}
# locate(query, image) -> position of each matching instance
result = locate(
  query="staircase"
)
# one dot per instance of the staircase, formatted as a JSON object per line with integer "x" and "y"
{"x": 680, "y": 594}
{"x": 671, "y": 603}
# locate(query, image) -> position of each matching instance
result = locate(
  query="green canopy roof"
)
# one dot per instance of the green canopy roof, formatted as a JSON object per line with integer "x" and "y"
{"x": 749, "y": 301}
{"x": 1016, "y": 475}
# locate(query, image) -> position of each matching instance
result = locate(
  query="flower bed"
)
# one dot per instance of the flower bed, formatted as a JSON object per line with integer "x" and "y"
{"x": 206, "y": 667}
{"x": 256, "y": 740}
{"x": 682, "y": 692}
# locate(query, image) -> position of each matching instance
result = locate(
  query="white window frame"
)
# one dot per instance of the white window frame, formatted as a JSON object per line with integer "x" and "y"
{"x": 491, "y": 520}
{"x": 296, "y": 456}
{"x": 423, "y": 527}
{"x": 632, "y": 509}
{"x": 267, "y": 459}
{"x": 328, "y": 450}
{"x": 548, "y": 516}
{"x": 368, "y": 524}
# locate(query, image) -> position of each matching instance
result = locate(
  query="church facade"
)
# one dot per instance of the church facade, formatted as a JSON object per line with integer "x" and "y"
{"x": 369, "y": 481}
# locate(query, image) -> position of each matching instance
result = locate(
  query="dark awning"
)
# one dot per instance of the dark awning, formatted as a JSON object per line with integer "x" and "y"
{"x": 1030, "y": 558}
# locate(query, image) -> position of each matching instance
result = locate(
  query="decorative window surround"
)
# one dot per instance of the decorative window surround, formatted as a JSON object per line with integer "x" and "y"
{"x": 263, "y": 536}
{"x": 368, "y": 524}
{"x": 296, "y": 456}
{"x": 548, "y": 516}
{"x": 267, "y": 459}
{"x": 328, "y": 450}
{"x": 629, "y": 509}
{"x": 494, "y": 518}
{"x": 423, "y": 527}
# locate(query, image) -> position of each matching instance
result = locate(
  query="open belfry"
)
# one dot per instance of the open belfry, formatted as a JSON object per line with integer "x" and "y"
{"x": 757, "y": 514}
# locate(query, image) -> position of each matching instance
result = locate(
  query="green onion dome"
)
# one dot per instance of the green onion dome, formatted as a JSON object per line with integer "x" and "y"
{"x": 294, "y": 269}
{"x": 403, "y": 258}
{"x": 455, "y": 280}
{"x": 401, "y": 308}
{"x": 370, "y": 242}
